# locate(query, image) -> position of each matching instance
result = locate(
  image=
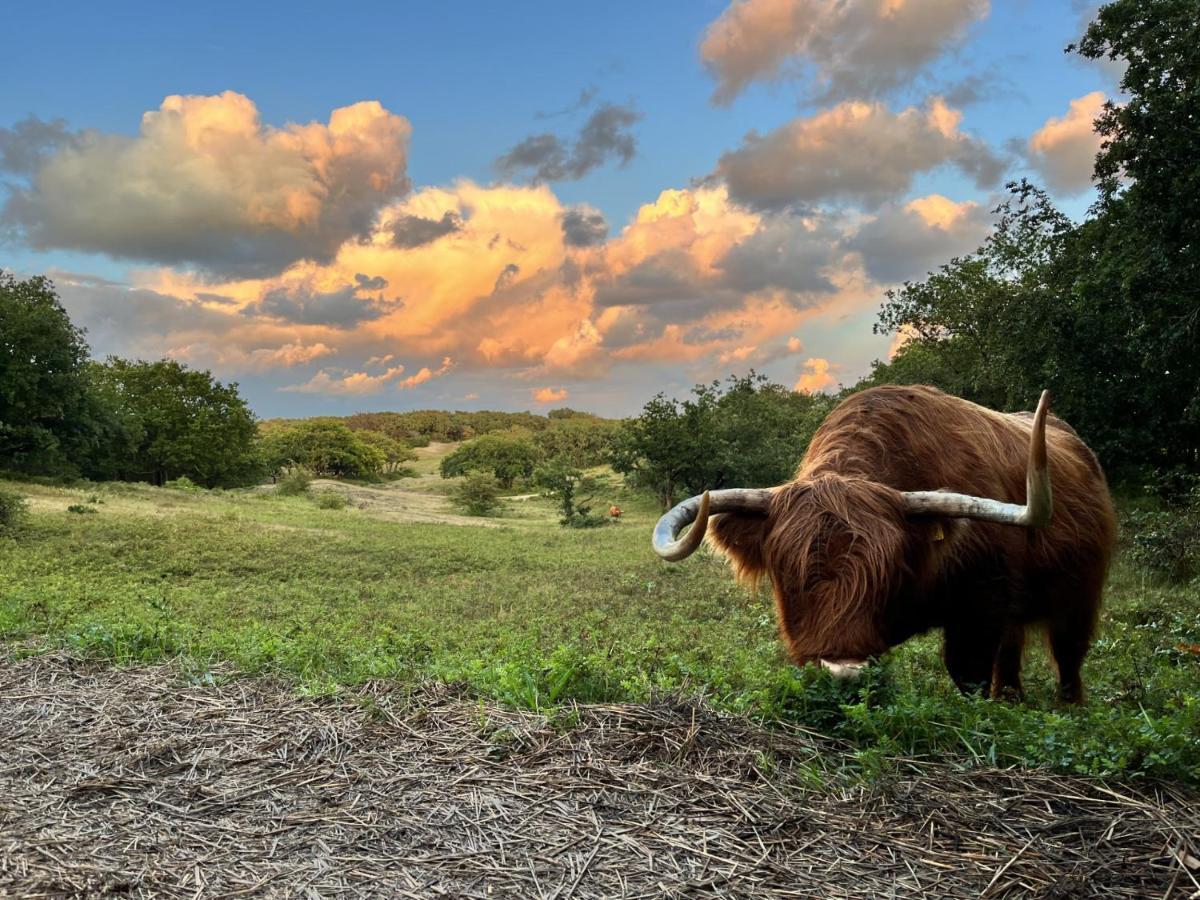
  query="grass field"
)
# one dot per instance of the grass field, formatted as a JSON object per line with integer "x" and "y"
{"x": 535, "y": 615}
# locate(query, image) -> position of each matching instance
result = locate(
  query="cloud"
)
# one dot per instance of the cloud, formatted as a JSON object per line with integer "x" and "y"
{"x": 583, "y": 101}
{"x": 369, "y": 282}
{"x": 232, "y": 358}
{"x": 854, "y": 151}
{"x": 904, "y": 242}
{"x": 414, "y": 231}
{"x": 584, "y": 226}
{"x": 817, "y": 376}
{"x": 550, "y": 395}
{"x": 26, "y": 145}
{"x": 694, "y": 280}
{"x": 1064, "y": 149}
{"x": 604, "y": 136}
{"x": 206, "y": 183}
{"x": 361, "y": 384}
{"x": 849, "y": 47}
{"x": 342, "y": 308}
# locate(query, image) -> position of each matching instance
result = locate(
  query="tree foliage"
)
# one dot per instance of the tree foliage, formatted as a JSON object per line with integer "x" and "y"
{"x": 508, "y": 457}
{"x": 45, "y": 417}
{"x": 323, "y": 447}
{"x": 179, "y": 422}
{"x": 1106, "y": 312}
{"x": 478, "y": 494}
{"x": 749, "y": 433}
{"x": 573, "y": 491}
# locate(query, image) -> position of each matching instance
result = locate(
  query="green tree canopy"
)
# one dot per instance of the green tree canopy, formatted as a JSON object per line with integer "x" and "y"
{"x": 324, "y": 447}
{"x": 181, "y": 421}
{"x": 1106, "y": 312}
{"x": 749, "y": 433}
{"x": 507, "y": 456}
{"x": 44, "y": 412}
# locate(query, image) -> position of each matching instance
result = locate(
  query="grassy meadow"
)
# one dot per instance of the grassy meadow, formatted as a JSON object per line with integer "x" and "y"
{"x": 398, "y": 585}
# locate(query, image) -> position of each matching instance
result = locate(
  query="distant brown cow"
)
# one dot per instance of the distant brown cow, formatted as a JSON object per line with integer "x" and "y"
{"x": 903, "y": 517}
{"x": 614, "y": 512}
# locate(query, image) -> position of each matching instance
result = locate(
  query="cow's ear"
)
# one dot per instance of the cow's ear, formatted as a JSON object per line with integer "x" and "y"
{"x": 742, "y": 539}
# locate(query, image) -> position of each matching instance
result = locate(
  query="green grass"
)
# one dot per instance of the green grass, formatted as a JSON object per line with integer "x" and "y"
{"x": 533, "y": 614}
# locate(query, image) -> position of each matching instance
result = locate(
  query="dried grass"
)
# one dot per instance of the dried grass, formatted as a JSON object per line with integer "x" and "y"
{"x": 137, "y": 782}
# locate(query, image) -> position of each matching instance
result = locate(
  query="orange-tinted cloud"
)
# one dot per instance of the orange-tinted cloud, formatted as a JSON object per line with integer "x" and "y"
{"x": 550, "y": 395}
{"x": 363, "y": 383}
{"x": 1064, "y": 149}
{"x": 817, "y": 376}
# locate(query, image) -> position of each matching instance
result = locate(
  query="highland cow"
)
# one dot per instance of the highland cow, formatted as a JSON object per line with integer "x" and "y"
{"x": 904, "y": 516}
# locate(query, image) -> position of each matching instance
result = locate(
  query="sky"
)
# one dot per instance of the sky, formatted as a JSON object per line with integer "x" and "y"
{"x": 382, "y": 206}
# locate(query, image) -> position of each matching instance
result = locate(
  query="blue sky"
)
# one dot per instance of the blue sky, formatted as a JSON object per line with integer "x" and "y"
{"x": 653, "y": 306}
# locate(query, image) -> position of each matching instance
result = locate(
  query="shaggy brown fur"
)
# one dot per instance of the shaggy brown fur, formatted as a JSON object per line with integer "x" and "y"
{"x": 854, "y": 575}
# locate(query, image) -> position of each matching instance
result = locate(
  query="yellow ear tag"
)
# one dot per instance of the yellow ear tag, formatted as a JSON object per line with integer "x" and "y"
{"x": 938, "y": 533}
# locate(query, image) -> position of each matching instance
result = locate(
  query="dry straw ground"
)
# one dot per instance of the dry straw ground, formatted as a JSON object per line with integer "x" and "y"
{"x": 142, "y": 782}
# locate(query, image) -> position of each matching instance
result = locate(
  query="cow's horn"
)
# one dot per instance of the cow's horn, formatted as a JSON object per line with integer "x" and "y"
{"x": 695, "y": 512}
{"x": 1039, "y": 502}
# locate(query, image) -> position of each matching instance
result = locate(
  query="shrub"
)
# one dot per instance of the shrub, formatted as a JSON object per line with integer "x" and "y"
{"x": 478, "y": 494}
{"x": 294, "y": 483}
{"x": 563, "y": 483}
{"x": 331, "y": 500}
{"x": 183, "y": 483}
{"x": 12, "y": 509}
{"x": 80, "y": 509}
{"x": 1167, "y": 542}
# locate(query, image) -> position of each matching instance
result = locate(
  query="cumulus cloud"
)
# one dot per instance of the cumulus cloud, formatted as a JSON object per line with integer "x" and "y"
{"x": 206, "y": 183}
{"x": 904, "y": 242}
{"x": 849, "y": 47}
{"x": 1064, "y": 149}
{"x": 854, "y": 151}
{"x": 817, "y": 376}
{"x": 414, "y": 231}
{"x": 694, "y": 279}
{"x": 605, "y": 136}
{"x": 25, "y": 146}
{"x": 550, "y": 395}
{"x": 584, "y": 226}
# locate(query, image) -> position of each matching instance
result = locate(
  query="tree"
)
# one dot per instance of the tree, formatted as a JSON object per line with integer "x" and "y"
{"x": 1143, "y": 242}
{"x": 1106, "y": 313}
{"x": 507, "y": 456}
{"x": 44, "y": 415}
{"x": 751, "y": 433}
{"x": 564, "y": 483}
{"x": 581, "y": 438}
{"x": 478, "y": 494}
{"x": 395, "y": 453}
{"x": 323, "y": 447}
{"x": 184, "y": 422}
{"x": 983, "y": 326}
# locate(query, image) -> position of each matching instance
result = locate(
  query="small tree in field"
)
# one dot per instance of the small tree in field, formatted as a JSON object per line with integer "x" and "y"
{"x": 572, "y": 490}
{"x": 478, "y": 494}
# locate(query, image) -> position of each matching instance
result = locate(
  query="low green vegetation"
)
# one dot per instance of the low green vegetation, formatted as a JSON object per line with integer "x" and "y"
{"x": 477, "y": 494}
{"x": 537, "y": 615}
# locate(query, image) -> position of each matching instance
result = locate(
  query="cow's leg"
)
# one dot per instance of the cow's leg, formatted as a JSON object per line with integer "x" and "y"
{"x": 1070, "y": 631}
{"x": 1006, "y": 675}
{"x": 969, "y": 649}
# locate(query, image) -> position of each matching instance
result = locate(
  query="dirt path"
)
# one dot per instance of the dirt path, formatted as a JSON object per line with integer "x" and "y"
{"x": 137, "y": 782}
